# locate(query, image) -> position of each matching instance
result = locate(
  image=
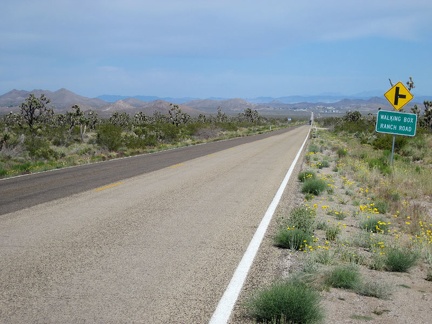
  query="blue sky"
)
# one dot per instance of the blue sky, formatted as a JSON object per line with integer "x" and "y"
{"x": 220, "y": 48}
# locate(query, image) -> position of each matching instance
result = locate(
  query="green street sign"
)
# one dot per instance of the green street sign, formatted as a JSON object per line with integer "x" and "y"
{"x": 396, "y": 123}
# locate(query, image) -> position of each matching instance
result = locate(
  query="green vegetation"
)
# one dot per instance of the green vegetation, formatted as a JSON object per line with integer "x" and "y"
{"x": 109, "y": 136}
{"x": 303, "y": 218}
{"x": 380, "y": 290}
{"x": 375, "y": 225}
{"x": 400, "y": 260}
{"x": 306, "y": 175}
{"x": 36, "y": 138}
{"x": 286, "y": 302}
{"x": 347, "y": 277}
{"x": 332, "y": 232}
{"x": 371, "y": 218}
{"x": 313, "y": 148}
{"x": 292, "y": 238}
{"x": 296, "y": 232}
{"x": 314, "y": 186}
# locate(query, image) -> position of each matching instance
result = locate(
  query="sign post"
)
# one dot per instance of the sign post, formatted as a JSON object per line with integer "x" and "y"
{"x": 396, "y": 123}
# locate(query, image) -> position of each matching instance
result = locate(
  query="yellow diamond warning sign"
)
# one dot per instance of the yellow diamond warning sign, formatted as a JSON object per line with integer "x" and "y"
{"x": 398, "y": 96}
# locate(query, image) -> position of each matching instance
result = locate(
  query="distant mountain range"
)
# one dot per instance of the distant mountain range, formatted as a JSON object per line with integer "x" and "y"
{"x": 60, "y": 99}
{"x": 63, "y": 99}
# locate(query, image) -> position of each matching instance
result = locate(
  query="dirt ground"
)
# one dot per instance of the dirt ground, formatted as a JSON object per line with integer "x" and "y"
{"x": 410, "y": 294}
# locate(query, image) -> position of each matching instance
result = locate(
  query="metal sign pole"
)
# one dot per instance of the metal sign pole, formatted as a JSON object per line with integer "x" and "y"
{"x": 392, "y": 152}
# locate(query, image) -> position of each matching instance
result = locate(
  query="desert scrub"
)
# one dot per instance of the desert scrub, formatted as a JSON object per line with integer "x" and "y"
{"x": 313, "y": 148}
{"x": 377, "y": 262}
{"x": 381, "y": 206}
{"x": 375, "y": 225}
{"x": 350, "y": 255}
{"x": 323, "y": 256}
{"x": 109, "y": 136}
{"x": 338, "y": 214}
{"x": 323, "y": 164}
{"x": 303, "y": 218}
{"x": 341, "y": 152}
{"x": 314, "y": 186}
{"x": 400, "y": 259}
{"x": 332, "y": 232}
{"x": 306, "y": 175}
{"x": 377, "y": 289}
{"x": 346, "y": 276}
{"x": 286, "y": 302}
{"x": 292, "y": 238}
{"x": 3, "y": 172}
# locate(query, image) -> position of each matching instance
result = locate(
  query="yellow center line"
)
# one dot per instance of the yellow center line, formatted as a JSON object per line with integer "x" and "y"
{"x": 176, "y": 165}
{"x": 112, "y": 185}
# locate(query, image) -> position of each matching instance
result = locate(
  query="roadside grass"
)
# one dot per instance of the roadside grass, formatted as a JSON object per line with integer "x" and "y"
{"x": 314, "y": 186}
{"x": 16, "y": 161}
{"x": 292, "y": 238}
{"x": 296, "y": 232}
{"x": 368, "y": 216}
{"x": 286, "y": 302}
{"x": 375, "y": 224}
{"x": 332, "y": 232}
{"x": 400, "y": 259}
{"x": 345, "y": 276}
{"x": 306, "y": 175}
{"x": 303, "y": 218}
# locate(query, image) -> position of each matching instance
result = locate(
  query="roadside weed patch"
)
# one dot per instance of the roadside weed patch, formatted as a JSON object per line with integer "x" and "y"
{"x": 346, "y": 276}
{"x": 296, "y": 232}
{"x": 313, "y": 148}
{"x": 341, "y": 152}
{"x": 323, "y": 256}
{"x": 377, "y": 262}
{"x": 293, "y": 238}
{"x": 286, "y": 302}
{"x": 400, "y": 259}
{"x": 3, "y": 172}
{"x": 332, "y": 232}
{"x": 377, "y": 289}
{"x": 361, "y": 240}
{"x": 306, "y": 175}
{"x": 339, "y": 215}
{"x": 381, "y": 206}
{"x": 322, "y": 164}
{"x": 314, "y": 186}
{"x": 375, "y": 225}
{"x": 350, "y": 255}
{"x": 303, "y": 218}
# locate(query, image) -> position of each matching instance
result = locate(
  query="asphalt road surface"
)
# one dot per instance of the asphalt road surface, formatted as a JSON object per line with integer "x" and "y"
{"x": 25, "y": 191}
{"x": 159, "y": 247}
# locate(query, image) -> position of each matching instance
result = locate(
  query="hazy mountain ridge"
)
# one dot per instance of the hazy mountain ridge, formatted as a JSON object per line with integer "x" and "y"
{"x": 60, "y": 99}
{"x": 133, "y": 105}
{"x": 63, "y": 99}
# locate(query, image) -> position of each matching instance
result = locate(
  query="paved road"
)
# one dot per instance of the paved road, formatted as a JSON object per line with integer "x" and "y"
{"x": 159, "y": 247}
{"x": 22, "y": 192}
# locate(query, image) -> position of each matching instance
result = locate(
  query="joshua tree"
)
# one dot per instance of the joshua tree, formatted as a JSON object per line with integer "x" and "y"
{"x": 428, "y": 114}
{"x": 35, "y": 112}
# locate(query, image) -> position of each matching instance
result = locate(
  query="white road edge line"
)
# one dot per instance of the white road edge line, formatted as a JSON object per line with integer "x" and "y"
{"x": 226, "y": 303}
